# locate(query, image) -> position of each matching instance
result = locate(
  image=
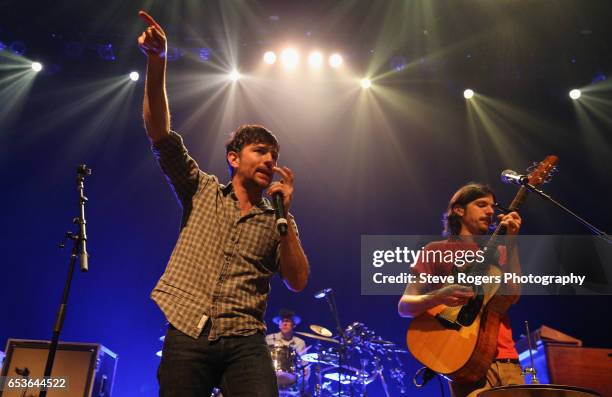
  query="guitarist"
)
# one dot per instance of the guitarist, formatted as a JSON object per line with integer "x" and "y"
{"x": 469, "y": 215}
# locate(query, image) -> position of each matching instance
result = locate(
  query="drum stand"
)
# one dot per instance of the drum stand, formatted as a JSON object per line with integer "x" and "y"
{"x": 319, "y": 381}
{"x": 378, "y": 373}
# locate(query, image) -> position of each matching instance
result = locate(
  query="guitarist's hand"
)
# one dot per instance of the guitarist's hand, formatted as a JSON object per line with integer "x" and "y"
{"x": 454, "y": 295}
{"x": 511, "y": 221}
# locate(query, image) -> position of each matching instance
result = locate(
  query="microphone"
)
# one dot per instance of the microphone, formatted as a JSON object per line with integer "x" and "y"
{"x": 510, "y": 176}
{"x": 323, "y": 293}
{"x": 279, "y": 213}
{"x": 84, "y": 258}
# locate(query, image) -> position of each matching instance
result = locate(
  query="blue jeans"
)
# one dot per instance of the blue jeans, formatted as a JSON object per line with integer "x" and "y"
{"x": 240, "y": 365}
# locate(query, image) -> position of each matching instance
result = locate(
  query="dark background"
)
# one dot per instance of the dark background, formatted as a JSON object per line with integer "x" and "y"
{"x": 381, "y": 162}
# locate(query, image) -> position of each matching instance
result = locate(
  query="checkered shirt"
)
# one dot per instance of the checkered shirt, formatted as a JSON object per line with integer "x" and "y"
{"x": 221, "y": 265}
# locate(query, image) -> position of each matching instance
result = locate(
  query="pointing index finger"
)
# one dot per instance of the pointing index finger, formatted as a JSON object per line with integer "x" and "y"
{"x": 149, "y": 19}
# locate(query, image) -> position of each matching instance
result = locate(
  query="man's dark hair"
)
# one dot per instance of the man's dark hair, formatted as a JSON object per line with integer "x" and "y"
{"x": 246, "y": 135}
{"x": 462, "y": 197}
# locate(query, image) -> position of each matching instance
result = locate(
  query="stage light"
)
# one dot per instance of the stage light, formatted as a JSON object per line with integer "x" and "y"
{"x": 398, "y": 63}
{"x": 468, "y": 94}
{"x": 575, "y": 94}
{"x": 290, "y": 58}
{"x": 269, "y": 57}
{"x": 315, "y": 59}
{"x": 105, "y": 52}
{"x": 134, "y": 76}
{"x": 234, "y": 75}
{"x": 366, "y": 83}
{"x": 37, "y": 66}
{"x": 204, "y": 54}
{"x": 335, "y": 60}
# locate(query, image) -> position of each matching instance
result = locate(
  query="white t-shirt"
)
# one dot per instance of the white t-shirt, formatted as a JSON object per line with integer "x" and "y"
{"x": 277, "y": 340}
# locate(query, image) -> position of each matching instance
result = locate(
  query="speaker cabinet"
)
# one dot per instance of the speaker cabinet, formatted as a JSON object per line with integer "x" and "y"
{"x": 89, "y": 368}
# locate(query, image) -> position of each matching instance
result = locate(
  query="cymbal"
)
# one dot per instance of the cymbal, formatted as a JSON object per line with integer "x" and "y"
{"x": 382, "y": 342}
{"x": 347, "y": 378}
{"x": 317, "y": 329}
{"x": 320, "y": 358}
{"x": 315, "y": 336}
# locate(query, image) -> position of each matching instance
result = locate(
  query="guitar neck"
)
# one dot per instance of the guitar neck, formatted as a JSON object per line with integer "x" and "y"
{"x": 518, "y": 200}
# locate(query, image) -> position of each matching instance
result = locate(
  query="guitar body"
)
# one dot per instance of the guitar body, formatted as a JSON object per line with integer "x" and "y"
{"x": 462, "y": 354}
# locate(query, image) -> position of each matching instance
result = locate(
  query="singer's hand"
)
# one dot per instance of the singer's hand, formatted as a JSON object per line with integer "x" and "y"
{"x": 285, "y": 186}
{"x": 511, "y": 221}
{"x": 153, "y": 40}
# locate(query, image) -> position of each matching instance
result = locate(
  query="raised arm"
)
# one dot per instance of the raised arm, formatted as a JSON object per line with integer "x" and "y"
{"x": 155, "y": 108}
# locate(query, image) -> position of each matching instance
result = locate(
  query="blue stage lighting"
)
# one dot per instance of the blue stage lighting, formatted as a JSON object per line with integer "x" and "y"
{"x": 598, "y": 77}
{"x": 105, "y": 51}
{"x": 2, "y": 46}
{"x": 18, "y": 47}
{"x": 398, "y": 63}
{"x": 204, "y": 54}
{"x": 173, "y": 54}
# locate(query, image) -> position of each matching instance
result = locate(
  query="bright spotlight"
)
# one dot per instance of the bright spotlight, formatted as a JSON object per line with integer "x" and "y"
{"x": 134, "y": 76}
{"x": 315, "y": 59}
{"x": 366, "y": 83}
{"x": 335, "y": 60}
{"x": 468, "y": 94}
{"x": 269, "y": 57}
{"x": 290, "y": 58}
{"x": 575, "y": 94}
{"x": 37, "y": 66}
{"x": 234, "y": 75}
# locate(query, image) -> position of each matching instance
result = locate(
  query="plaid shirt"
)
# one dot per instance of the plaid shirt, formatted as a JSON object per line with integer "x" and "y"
{"x": 221, "y": 265}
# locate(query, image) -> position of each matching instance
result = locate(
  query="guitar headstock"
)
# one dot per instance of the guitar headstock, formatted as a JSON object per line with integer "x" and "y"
{"x": 541, "y": 173}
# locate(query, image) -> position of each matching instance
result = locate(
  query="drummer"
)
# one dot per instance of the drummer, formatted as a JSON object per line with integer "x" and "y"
{"x": 286, "y": 321}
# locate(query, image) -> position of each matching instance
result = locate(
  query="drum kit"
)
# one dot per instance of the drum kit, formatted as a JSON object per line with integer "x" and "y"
{"x": 341, "y": 365}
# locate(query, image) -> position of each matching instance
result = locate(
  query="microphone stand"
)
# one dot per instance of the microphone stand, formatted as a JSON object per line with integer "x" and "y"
{"x": 79, "y": 248}
{"x": 597, "y": 232}
{"x": 331, "y": 301}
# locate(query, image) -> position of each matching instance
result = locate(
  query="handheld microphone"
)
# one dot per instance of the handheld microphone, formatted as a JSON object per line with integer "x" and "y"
{"x": 279, "y": 213}
{"x": 510, "y": 176}
{"x": 323, "y": 293}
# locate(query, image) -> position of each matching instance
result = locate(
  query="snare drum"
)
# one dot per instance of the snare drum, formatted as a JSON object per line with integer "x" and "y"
{"x": 284, "y": 360}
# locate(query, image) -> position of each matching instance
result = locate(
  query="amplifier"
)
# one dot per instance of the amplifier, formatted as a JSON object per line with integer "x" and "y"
{"x": 89, "y": 368}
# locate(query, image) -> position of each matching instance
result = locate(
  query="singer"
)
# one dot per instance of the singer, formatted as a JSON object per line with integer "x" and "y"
{"x": 215, "y": 287}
